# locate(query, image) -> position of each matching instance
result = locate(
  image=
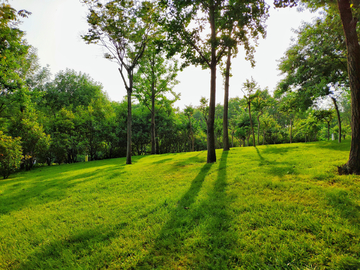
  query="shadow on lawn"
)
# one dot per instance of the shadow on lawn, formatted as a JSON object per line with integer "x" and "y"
{"x": 334, "y": 145}
{"x": 279, "y": 169}
{"x": 342, "y": 202}
{"x": 43, "y": 190}
{"x": 196, "y": 237}
{"x": 77, "y": 250}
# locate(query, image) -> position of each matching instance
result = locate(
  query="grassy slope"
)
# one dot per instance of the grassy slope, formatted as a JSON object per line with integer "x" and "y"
{"x": 270, "y": 207}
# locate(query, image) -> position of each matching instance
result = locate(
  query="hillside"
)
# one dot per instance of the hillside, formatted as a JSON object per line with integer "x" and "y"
{"x": 270, "y": 207}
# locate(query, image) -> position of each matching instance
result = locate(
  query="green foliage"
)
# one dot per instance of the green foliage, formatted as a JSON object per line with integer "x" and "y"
{"x": 71, "y": 89}
{"x": 13, "y": 55}
{"x": 10, "y": 154}
{"x": 34, "y": 141}
{"x": 316, "y": 62}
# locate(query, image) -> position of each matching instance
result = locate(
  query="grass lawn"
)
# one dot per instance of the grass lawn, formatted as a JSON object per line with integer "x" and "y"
{"x": 270, "y": 207}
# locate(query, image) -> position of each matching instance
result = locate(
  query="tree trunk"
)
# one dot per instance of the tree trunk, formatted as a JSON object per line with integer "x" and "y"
{"x": 211, "y": 155}
{"x": 226, "y": 103}
{"x": 338, "y": 118}
{"x": 353, "y": 60}
{"x": 328, "y": 128}
{"x": 129, "y": 125}
{"x": 258, "y": 131}
{"x": 153, "y": 135}
{"x": 232, "y": 139}
{"x": 290, "y": 130}
{"x": 251, "y": 123}
{"x": 264, "y": 138}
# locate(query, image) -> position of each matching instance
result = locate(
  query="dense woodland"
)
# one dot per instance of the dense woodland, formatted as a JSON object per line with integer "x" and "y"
{"x": 67, "y": 117}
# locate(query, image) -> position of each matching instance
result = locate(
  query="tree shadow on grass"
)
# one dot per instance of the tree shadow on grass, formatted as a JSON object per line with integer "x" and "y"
{"x": 43, "y": 190}
{"x": 196, "y": 237}
{"x": 332, "y": 145}
{"x": 279, "y": 169}
{"x": 344, "y": 205}
{"x": 77, "y": 250}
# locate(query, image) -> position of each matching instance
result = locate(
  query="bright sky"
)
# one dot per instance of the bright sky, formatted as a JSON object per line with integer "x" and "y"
{"x": 55, "y": 26}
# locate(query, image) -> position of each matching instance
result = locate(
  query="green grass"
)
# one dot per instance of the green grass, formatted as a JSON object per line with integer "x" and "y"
{"x": 270, "y": 207}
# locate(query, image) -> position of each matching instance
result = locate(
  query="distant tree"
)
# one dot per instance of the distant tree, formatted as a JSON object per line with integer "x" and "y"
{"x": 249, "y": 88}
{"x": 326, "y": 116}
{"x": 261, "y": 101}
{"x": 155, "y": 78}
{"x": 10, "y": 154}
{"x": 189, "y": 111}
{"x": 34, "y": 141}
{"x": 71, "y": 89}
{"x": 124, "y": 28}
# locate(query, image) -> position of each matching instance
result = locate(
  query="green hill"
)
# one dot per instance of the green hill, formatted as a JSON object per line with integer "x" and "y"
{"x": 270, "y": 207}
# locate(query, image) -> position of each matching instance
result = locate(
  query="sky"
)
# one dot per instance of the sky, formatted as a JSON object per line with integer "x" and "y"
{"x": 55, "y": 28}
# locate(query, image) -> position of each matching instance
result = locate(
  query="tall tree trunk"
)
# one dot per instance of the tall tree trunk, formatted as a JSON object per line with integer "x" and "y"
{"x": 226, "y": 103}
{"x": 232, "y": 139}
{"x": 211, "y": 155}
{"x": 251, "y": 123}
{"x": 264, "y": 137}
{"x": 153, "y": 95}
{"x": 153, "y": 135}
{"x": 328, "y": 130}
{"x": 353, "y": 60}
{"x": 338, "y": 118}
{"x": 258, "y": 131}
{"x": 192, "y": 136}
{"x": 129, "y": 125}
{"x": 290, "y": 130}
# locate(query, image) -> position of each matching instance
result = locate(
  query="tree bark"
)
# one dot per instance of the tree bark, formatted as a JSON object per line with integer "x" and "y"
{"x": 338, "y": 118}
{"x": 258, "y": 131}
{"x": 251, "y": 123}
{"x": 153, "y": 135}
{"x": 264, "y": 138}
{"x": 211, "y": 155}
{"x": 129, "y": 124}
{"x": 153, "y": 94}
{"x": 226, "y": 103}
{"x": 353, "y": 62}
{"x": 192, "y": 136}
{"x": 290, "y": 130}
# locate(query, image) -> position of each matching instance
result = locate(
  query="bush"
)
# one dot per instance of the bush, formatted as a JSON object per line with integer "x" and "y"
{"x": 10, "y": 154}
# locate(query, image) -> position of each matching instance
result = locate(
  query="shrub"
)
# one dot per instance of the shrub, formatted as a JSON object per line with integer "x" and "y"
{"x": 10, "y": 154}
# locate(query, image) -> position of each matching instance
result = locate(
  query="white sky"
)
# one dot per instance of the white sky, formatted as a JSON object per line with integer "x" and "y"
{"x": 55, "y": 26}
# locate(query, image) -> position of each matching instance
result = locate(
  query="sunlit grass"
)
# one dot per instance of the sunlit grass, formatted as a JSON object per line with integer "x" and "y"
{"x": 270, "y": 207}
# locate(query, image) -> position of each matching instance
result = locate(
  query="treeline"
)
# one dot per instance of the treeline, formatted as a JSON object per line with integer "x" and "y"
{"x": 70, "y": 117}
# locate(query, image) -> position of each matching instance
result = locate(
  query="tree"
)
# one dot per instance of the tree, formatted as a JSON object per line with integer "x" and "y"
{"x": 348, "y": 11}
{"x": 251, "y": 27}
{"x": 249, "y": 89}
{"x": 71, "y": 89}
{"x": 327, "y": 116}
{"x": 315, "y": 65}
{"x": 124, "y": 28}
{"x": 153, "y": 80}
{"x": 186, "y": 23}
{"x": 34, "y": 141}
{"x": 10, "y": 154}
{"x": 261, "y": 100}
{"x": 189, "y": 111}
{"x": 13, "y": 55}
